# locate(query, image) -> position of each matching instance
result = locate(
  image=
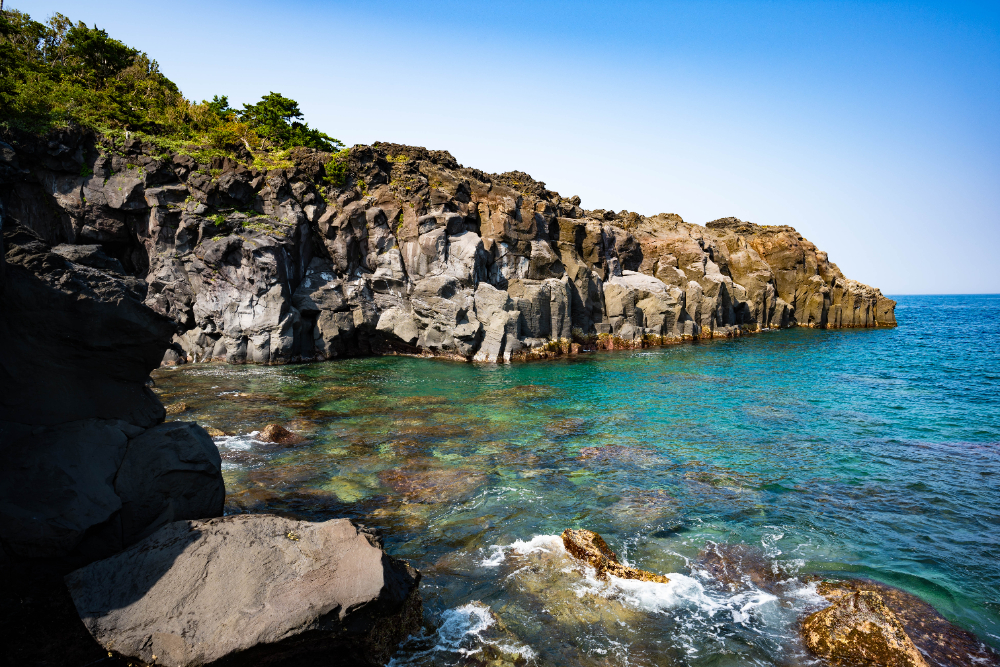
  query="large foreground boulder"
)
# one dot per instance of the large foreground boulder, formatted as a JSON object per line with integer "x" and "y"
{"x": 250, "y": 589}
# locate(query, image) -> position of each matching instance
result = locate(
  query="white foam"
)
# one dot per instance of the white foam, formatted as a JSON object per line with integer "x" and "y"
{"x": 240, "y": 442}
{"x": 459, "y": 623}
{"x": 538, "y": 543}
{"x": 461, "y": 632}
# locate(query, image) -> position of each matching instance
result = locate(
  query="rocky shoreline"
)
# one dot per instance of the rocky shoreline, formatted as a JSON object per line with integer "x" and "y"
{"x": 118, "y": 258}
{"x": 403, "y": 250}
{"x": 97, "y": 487}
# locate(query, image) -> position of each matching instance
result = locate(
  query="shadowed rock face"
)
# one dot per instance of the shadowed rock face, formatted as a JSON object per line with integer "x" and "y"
{"x": 414, "y": 254}
{"x": 248, "y": 589}
{"x": 593, "y": 550}
{"x": 88, "y": 469}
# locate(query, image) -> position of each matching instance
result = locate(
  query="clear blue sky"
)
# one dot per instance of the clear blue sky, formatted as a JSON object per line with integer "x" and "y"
{"x": 872, "y": 127}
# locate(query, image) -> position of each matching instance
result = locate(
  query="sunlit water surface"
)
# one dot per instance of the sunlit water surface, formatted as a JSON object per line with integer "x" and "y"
{"x": 856, "y": 453}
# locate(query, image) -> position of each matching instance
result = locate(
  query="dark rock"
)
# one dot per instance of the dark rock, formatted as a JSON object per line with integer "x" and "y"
{"x": 89, "y": 255}
{"x": 83, "y": 490}
{"x": 250, "y": 590}
{"x": 593, "y": 550}
{"x": 170, "y": 472}
{"x": 82, "y": 342}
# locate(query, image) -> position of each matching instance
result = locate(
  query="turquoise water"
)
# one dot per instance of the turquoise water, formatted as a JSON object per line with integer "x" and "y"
{"x": 862, "y": 453}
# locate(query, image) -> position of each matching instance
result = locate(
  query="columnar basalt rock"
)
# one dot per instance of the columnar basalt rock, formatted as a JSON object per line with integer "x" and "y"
{"x": 284, "y": 266}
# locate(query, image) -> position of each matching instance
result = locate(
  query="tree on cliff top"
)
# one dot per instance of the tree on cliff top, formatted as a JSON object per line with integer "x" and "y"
{"x": 60, "y": 73}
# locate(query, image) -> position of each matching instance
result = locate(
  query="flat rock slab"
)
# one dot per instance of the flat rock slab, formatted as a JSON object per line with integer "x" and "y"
{"x": 250, "y": 589}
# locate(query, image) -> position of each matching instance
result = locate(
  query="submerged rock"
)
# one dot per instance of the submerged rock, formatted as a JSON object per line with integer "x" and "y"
{"x": 434, "y": 485}
{"x": 592, "y": 549}
{"x": 937, "y": 640}
{"x": 251, "y": 589}
{"x": 280, "y": 435}
{"x": 858, "y": 628}
{"x": 738, "y": 566}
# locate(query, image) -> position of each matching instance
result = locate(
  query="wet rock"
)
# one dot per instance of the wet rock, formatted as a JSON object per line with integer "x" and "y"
{"x": 176, "y": 408}
{"x": 592, "y": 549}
{"x": 617, "y": 454}
{"x": 738, "y": 566}
{"x": 858, "y": 628}
{"x": 433, "y": 485}
{"x": 251, "y": 589}
{"x": 279, "y": 435}
{"x": 938, "y": 640}
{"x": 215, "y": 432}
{"x": 650, "y": 508}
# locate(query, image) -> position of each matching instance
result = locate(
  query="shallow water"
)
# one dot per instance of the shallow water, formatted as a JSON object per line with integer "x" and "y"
{"x": 861, "y": 453}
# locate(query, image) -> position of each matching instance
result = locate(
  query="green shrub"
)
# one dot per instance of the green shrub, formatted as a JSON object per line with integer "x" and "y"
{"x": 336, "y": 168}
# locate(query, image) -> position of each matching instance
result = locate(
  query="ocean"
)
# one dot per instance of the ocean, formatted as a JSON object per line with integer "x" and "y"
{"x": 809, "y": 454}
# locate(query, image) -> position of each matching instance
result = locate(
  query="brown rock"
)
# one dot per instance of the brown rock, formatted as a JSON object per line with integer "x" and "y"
{"x": 215, "y": 432}
{"x": 939, "y": 641}
{"x": 591, "y": 548}
{"x": 434, "y": 485}
{"x": 859, "y": 629}
{"x": 177, "y": 408}
{"x": 279, "y": 435}
{"x": 737, "y": 566}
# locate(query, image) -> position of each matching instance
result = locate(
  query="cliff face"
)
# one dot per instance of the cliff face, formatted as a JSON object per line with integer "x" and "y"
{"x": 412, "y": 253}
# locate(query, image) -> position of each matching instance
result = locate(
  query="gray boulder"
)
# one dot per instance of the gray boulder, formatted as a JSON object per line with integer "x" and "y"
{"x": 251, "y": 589}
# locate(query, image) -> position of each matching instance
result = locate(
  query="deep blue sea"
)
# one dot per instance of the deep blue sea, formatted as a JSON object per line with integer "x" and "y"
{"x": 853, "y": 453}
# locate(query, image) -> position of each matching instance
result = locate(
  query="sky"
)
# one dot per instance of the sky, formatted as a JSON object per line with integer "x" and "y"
{"x": 873, "y": 128}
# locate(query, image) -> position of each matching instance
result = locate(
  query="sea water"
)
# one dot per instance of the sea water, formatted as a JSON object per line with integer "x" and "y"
{"x": 868, "y": 453}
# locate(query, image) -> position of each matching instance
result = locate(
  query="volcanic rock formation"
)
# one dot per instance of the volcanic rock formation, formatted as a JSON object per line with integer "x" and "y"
{"x": 410, "y": 252}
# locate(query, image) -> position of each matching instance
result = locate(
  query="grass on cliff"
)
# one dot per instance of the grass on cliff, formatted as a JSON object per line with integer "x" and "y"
{"x": 58, "y": 74}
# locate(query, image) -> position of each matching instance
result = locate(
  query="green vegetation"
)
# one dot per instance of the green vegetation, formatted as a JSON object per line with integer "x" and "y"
{"x": 336, "y": 169}
{"x": 59, "y": 74}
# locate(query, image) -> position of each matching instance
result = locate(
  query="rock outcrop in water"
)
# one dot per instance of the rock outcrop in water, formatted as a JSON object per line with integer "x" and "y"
{"x": 591, "y": 548}
{"x": 874, "y": 624}
{"x": 411, "y": 252}
{"x": 251, "y": 589}
{"x": 90, "y": 468}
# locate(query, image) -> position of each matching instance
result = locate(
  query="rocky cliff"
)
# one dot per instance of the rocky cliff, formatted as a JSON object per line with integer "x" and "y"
{"x": 396, "y": 248}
